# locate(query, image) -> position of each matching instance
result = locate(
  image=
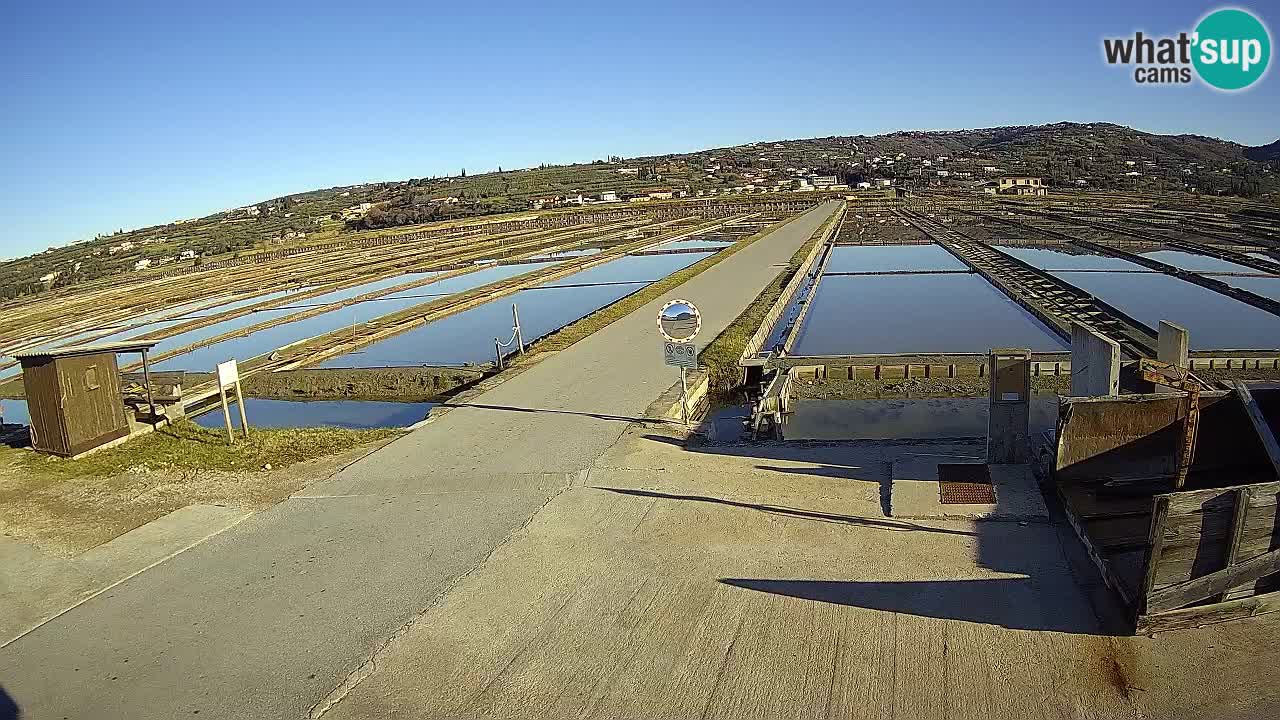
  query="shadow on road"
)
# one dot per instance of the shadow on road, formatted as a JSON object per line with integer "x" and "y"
{"x": 511, "y": 408}
{"x": 993, "y": 602}
{"x": 9, "y": 709}
{"x": 1049, "y": 590}
{"x": 879, "y": 523}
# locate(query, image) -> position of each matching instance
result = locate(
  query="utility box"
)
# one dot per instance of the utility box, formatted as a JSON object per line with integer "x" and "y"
{"x": 73, "y": 396}
{"x": 1009, "y": 424}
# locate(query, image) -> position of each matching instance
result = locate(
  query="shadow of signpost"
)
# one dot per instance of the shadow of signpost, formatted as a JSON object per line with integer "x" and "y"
{"x": 878, "y": 523}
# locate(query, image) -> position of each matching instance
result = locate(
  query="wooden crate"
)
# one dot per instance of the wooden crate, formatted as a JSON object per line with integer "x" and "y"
{"x": 1177, "y": 558}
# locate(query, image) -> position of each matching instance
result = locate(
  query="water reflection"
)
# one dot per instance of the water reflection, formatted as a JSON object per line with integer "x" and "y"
{"x": 467, "y": 337}
{"x": 882, "y": 258}
{"x": 1053, "y": 259}
{"x": 1196, "y": 263}
{"x": 15, "y": 412}
{"x": 916, "y": 313}
{"x": 1268, "y": 287}
{"x": 350, "y": 414}
{"x": 1216, "y": 322}
{"x": 268, "y": 339}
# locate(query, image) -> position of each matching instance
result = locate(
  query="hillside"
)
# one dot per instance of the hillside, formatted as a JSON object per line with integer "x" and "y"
{"x": 1094, "y": 155}
{"x": 1264, "y": 153}
{"x": 1098, "y": 153}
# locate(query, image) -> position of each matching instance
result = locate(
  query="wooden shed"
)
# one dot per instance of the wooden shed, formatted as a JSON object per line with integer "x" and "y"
{"x": 74, "y": 398}
{"x": 1184, "y": 556}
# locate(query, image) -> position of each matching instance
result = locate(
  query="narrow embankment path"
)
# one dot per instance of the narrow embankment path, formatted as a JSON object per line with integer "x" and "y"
{"x": 270, "y": 617}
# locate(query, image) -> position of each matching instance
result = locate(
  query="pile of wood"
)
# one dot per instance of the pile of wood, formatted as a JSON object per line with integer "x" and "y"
{"x": 1177, "y": 506}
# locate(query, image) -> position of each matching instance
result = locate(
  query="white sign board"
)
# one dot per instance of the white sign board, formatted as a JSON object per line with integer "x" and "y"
{"x": 680, "y": 354}
{"x": 228, "y": 373}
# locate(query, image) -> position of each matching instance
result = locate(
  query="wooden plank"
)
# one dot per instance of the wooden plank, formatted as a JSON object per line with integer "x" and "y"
{"x": 1089, "y": 504}
{"x": 1121, "y": 438}
{"x": 1208, "y": 614}
{"x": 1190, "y": 433}
{"x": 1115, "y": 583}
{"x": 1155, "y": 547}
{"x": 1268, "y": 438}
{"x": 1126, "y": 568}
{"x": 1237, "y": 530}
{"x": 1183, "y": 562}
{"x": 1188, "y": 501}
{"x": 1183, "y": 594}
{"x": 1120, "y": 532}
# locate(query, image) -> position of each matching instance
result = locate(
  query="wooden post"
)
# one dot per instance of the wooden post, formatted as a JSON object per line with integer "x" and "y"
{"x": 1268, "y": 439}
{"x": 1241, "y": 498}
{"x": 146, "y": 378}
{"x": 226, "y": 414}
{"x": 1187, "y": 442}
{"x": 1155, "y": 546}
{"x": 244, "y": 423}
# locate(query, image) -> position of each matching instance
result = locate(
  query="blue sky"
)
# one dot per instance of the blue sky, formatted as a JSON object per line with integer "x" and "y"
{"x": 120, "y": 115}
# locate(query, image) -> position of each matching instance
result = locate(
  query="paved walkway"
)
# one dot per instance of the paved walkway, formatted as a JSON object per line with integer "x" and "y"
{"x": 764, "y": 581}
{"x": 267, "y": 619}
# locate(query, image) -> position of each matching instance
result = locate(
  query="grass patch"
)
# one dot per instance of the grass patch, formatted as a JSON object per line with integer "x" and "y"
{"x": 188, "y": 446}
{"x": 605, "y": 316}
{"x": 721, "y": 355}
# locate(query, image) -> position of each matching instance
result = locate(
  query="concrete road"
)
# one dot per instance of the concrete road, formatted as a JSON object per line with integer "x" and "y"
{"x": 269, "y": 618}
{"x": 765, "y": 582}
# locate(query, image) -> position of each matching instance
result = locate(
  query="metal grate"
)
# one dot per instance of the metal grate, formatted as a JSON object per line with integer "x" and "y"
{"x": 965, "y": 484}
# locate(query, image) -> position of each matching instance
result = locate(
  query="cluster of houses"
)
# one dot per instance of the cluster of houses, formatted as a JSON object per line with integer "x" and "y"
{"x": 606, "y": 196}
{"x": 355, "y": 212}
{"x": 1015, "y": 185}
{"x": 1007, "y": 185}
{"x": 145, "y": 263}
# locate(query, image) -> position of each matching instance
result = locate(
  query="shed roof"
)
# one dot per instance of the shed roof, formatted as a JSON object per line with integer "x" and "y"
{"x": 72, "y": 350}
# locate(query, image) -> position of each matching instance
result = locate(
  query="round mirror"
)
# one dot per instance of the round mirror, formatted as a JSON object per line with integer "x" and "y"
{"x": 679, "y": 320}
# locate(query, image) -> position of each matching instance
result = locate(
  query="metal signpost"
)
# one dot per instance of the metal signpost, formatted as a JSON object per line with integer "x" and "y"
{"x": 679, "y": 321}
{"x": 229, "y": 379}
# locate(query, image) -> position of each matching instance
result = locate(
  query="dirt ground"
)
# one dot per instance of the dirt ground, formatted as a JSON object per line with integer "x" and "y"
{"x": 877, "y": 226}
{"x": 66, "y": 515}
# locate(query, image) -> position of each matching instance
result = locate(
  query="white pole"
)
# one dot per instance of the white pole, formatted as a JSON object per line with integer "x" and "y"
{"x": 226, "y": 413}
{"x": 244, "y": 422}
{"x": 515, "y": 318}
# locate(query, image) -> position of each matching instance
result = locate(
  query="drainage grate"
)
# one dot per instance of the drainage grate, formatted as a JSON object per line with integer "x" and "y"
{"x": 965, "y": 484}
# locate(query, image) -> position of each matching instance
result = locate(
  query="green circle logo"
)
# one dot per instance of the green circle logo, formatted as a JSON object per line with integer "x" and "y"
{"x": 1232, "y": 49}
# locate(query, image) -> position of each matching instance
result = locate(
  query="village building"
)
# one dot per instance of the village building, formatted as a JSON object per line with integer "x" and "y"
{"x": 1021, "y": 185}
